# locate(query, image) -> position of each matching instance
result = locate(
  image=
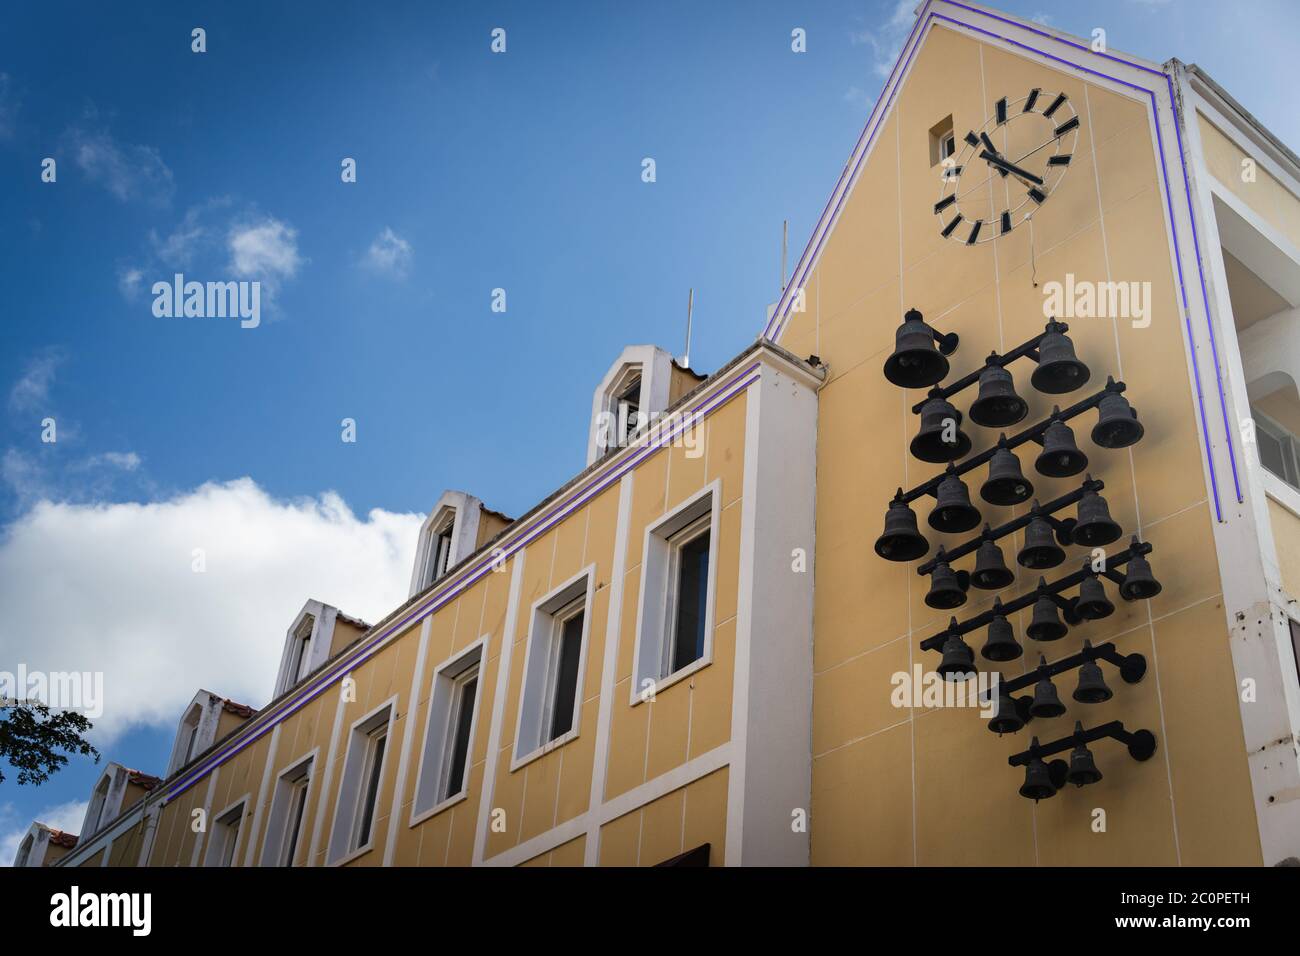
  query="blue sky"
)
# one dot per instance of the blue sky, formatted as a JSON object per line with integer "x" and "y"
{"x": 476, "y": 171}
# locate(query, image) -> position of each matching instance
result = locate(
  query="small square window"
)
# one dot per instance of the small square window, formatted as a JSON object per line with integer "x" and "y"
{"x": 553, "y": 670}
{"x": 1277, "y": 449}
{"x": 943, "y": 142}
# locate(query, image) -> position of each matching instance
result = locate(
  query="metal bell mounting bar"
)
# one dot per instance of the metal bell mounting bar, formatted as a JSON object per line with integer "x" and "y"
{"x": 1147, "y": 588}
{"x": 1013, "y": 713}
{"x": 1044, "y": 511}
{"x": 1043, "y": 780}
{"x": 920, "y": 356}
{"x": 1034, "y": 433}
{"x": 1069, "y": 371}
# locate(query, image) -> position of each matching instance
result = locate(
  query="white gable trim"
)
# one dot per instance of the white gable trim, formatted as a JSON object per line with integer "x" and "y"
{"x": 464, "y": 535}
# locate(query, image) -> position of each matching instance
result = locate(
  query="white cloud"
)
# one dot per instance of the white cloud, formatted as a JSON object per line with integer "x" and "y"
{"x": 61, "y": 816}
{"x": 128, "y": 282}
{"x": 1045, "y": 19}
{"x": 886, "y": 40}
{"x": 267, "y": 250}
{"x": 31, "y": 393}
{"x": 127, "y": 171}
{"x": 389, "y": 254}
{"x": 110, "y": 587}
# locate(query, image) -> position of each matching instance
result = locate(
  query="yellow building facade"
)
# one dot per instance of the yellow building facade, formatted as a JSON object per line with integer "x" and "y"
{"x": 691, "y": 653}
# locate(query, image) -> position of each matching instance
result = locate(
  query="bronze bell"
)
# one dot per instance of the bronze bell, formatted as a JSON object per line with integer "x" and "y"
{"x": 991, "y": 572}
{"x": 958, "y": 660}
{"x": 940, "y": 438}
{"x": 1060, "y": 456}
{"x": 1046, "y": 623}
{"x": 1046, "y": 702}
{"x": 1001, "y": 644}
{"x": 1083, "y": 770}
{"x": 901, "y": 541}
{"x": 1117, "y": 423}
{"x": 1092, "y": 687}
{"x": 1007, "y": 719}
{"x": 947, "y": 587}
{"x": 1041, "y": 550}
{"x": 1139, "y": 583}
{"x": 1006, "y": 485}
{"x": 916, "y": 361}
{"x": 1059, "y": 370}
{"x": 1038, "y": 779}
{"x": 1092, "y": 603}
{"x": 1095, "y": 526}
{"x": 953, "y": 512}
{"x": 997, "y": 404}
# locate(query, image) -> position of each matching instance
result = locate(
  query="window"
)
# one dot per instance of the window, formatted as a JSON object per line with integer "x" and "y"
{"x": 628, "y": 410}
{"x": 449, "y": 732}
{"x": 676, "y": 615}
{"x": 358, "y": 806}
{"x": 225, "y": 837}
{"x": 548, "y": 710}
{"x": 301, "y": 661}
{"x": 95, "y": 814}
{"x": 943, "y": 142}
{"x": 437, "y": 554}
{"x": 1277, "y": 449}
{"x": 689, "y": 573}
{"x": 288, "y": 806}
{"x": 371, "y": 776}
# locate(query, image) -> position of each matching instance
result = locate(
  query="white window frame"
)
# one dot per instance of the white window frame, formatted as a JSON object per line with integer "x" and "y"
{"x": 299, "y": 776}
{"x": 294, "y": 667}
{"x": 654, "y": 366}
{"x": 463, "y": 512}
{"x": 356, "y": 764}
{"x": 25, "y": 848}
{"x": 536, "y": 694}
{"x": 445, "y": 700}
{"x": 215, "y": 852}
{"x": 1279, "y": 433}
{"x": 655, "y": 618}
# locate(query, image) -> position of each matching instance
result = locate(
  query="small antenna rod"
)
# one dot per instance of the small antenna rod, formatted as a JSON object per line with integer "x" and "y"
{"x": 690, "y": 306}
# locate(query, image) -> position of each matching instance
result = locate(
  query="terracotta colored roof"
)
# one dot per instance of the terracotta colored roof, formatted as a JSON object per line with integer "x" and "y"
{"x": 239, "y": 710}
{"x": 146, "y": 780}
{"x": 63, "y": 838}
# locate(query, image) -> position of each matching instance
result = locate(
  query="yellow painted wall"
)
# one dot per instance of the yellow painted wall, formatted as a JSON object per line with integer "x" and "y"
{"x": 676, "y": 822}
{"x": 932, "y": 787}
{"x": 1286, "y": 538}
{"x": 1266, "y": 196}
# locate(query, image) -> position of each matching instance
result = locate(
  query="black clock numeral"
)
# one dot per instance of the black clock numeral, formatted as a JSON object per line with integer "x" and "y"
{"x": 1062, "y": 160}
{"x": 974, "y": 233}
{"x": 947, "y": 230}
{"x": 1037, "y": 195}
{"x": 945, "y": 202}
{"x": 1055, "y": 105}
{"x": 1031, "y": 99}
{"x": 1006, "y": 221}
{"x": 1002, "y": 110}
{"x": 972, "y": 139}
{"x": 1068, "y": 125}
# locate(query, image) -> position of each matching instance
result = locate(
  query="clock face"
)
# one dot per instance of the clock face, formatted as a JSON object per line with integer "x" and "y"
{"x": 1008, "y": 167}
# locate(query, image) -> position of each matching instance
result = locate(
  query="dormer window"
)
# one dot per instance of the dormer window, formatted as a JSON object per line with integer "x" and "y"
{"x": 301, "y": 650}
{"x": 199, "y": 727}
{"x": 637, "y": 388}
{"x": 449, "y": 535}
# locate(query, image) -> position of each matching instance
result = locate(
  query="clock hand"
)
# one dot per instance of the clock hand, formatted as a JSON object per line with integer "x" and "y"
{"x": 988, "y": 143}
{"x": 1011, "y": 168}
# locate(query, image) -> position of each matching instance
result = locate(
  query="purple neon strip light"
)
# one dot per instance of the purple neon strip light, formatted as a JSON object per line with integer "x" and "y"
{"x": 781, "y": 315}
{"x": 322, "y": 683}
